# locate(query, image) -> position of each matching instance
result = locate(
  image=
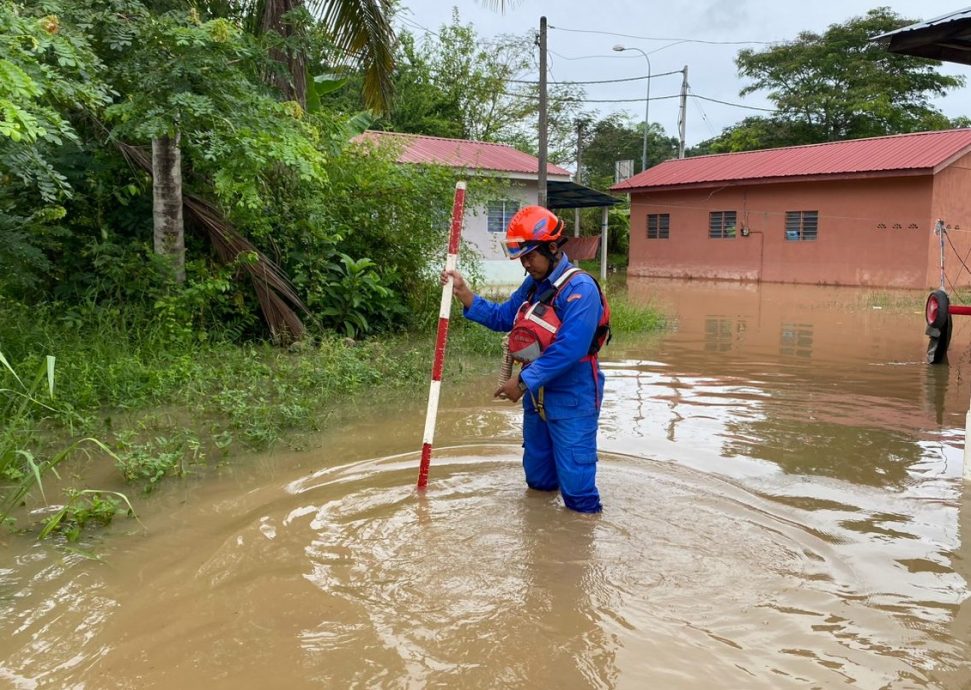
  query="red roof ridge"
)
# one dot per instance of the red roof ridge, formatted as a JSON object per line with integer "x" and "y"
{"x": 437, "y": 138}
{"x": 470, "y": 153}
{"x": 884, "y": 154}
{"x": 827, "y": 143}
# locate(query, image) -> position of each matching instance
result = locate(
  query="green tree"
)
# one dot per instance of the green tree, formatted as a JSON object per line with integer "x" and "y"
{"x": 615, "y": 138}
{"x": 263, "y": 177}
{"x": 758, "y": 133}
{"x": 47, "y": 70}
{"x": 459, "y": 85}
{"x": 838, "y": 85}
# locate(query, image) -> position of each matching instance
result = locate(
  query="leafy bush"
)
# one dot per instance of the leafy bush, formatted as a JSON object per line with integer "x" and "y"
{"x": 22, "y": 469}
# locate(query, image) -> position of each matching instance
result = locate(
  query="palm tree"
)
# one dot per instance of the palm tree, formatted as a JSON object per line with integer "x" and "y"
{"x": 360, "y": 29}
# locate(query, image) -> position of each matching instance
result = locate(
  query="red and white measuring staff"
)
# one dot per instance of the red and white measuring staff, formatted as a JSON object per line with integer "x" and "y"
{"x": 458, "y": 209}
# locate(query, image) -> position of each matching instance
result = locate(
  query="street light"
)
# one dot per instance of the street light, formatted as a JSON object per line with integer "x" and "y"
{"x": 647, "y": 103}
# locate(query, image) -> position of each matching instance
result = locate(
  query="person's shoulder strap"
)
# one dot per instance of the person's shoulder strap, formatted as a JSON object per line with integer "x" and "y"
{"x": 548, "y": 296}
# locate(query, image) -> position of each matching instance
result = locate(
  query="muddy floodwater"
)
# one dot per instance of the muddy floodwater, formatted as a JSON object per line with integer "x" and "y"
{"x": 784, "y": 508}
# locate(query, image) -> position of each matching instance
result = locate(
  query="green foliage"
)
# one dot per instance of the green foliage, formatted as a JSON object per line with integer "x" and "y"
{"x": 837, "y": 85}
{"x": 457, "y": 84}
{"x": 759, "y": 133}
{"x": 202, "y": 79}
{"x": 47, "y": 71}
{"x": 83, "y": 508}
{"x": 45, "y": 65}
{"x": 627, "y": 317}
{"x": 615, "y": 138}
{"x": 209, "y": 304}
{"x": 353, "y": 295}
{"x": 163, "y": 455}
{"x": 210, "y": 396}
{"x": 393, "y": 217}
{"x": 23, "y": 466}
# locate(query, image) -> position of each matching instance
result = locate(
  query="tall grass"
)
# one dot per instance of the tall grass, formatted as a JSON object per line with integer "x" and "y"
{"x": 167, "y": 405}
{"x": 630, "y": 317}
{"x": 23, "y": 464}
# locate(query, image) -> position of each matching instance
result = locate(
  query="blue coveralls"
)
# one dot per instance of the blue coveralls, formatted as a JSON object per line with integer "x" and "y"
{"x": 560, "y": 452}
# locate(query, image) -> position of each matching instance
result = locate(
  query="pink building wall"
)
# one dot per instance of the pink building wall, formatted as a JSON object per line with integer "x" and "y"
{"x": 951, "y": 202}
{"x": 872, "y": 231}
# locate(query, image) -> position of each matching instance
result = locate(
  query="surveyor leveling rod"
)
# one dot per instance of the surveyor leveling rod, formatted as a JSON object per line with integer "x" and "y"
{"x": 458, "y": 209}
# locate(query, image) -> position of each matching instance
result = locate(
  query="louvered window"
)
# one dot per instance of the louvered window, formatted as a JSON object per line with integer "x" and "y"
{"x": 802, "y": 225}
{"x": 499, "y": 214}
{"x": 658, "y": 226}
{"x": 721, "y": 225}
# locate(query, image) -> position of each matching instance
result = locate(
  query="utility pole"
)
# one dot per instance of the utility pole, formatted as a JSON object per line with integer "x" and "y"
{"x": 684, "y": 111}
{"x": 541, "y": 196}
{"x": 576, "y": 212}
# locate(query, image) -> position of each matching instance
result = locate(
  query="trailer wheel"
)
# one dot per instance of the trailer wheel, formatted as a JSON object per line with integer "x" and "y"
{"x": 936, "y": 309}
{"x": 940, "y": 338}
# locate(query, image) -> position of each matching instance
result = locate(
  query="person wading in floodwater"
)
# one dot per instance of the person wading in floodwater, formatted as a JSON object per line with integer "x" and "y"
{"x": 558, "y": 319}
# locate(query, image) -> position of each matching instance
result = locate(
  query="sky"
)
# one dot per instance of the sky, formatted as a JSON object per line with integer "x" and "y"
{"x": 703, "y": 35}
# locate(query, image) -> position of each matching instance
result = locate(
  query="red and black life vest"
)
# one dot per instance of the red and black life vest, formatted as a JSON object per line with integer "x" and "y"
{"x": 537, "y": 323}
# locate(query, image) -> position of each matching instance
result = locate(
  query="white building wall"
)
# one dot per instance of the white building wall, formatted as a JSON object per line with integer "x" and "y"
{"x": 498, "y": 272}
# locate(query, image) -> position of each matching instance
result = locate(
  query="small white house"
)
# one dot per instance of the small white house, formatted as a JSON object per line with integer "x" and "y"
{"x": 484, "y": 226}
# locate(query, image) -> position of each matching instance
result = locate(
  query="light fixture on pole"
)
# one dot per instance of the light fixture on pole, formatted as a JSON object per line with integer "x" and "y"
{"x": 647, "y": 103}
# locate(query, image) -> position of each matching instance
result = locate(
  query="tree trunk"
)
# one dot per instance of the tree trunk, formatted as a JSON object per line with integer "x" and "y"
{"x": 293, "y": 83}
{"x": 167, "y": 202}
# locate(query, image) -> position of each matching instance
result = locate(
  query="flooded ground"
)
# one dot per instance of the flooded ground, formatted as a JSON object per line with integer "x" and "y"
{"x": 784, "y": 508}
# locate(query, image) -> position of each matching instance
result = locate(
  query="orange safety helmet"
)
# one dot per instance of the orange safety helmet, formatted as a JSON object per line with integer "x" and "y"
{"x": 530, "y": 226}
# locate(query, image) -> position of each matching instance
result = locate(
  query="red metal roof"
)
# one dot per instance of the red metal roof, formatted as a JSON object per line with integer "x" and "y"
{"x": 461, "y": 153}
{"x": 905, "y": 153}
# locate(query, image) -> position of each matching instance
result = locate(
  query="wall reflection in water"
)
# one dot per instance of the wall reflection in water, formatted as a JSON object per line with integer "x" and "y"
{"x": 816, "y": 380}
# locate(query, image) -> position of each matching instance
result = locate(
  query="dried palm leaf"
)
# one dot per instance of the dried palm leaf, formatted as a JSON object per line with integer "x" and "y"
{"x": 276, "y": 294}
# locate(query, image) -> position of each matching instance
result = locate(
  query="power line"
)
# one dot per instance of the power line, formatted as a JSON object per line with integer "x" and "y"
{"x": 591, "y": 57}
{"x": 641, "y": 100}
{"x": 660, "y": 38}
{"x": 704, "y": 118}
{"x": 593, "y": 100}
{"x": 600, "y": 81}
{"x": 416, "y": 25}
{"x": 734, "y": 105}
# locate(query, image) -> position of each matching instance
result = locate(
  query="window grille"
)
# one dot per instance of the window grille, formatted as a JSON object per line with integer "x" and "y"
{"x": 802, "y": 225}
{"x": 721, "y": 225}
{"x": 658, "y": 226}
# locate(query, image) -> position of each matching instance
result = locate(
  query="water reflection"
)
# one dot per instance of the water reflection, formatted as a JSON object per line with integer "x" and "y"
{"x": 781, "y": 475}
{"x": 814, "y": 380}
{"x": 562, "y": 581}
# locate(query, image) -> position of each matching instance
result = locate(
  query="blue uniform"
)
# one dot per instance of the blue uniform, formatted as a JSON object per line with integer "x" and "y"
{"x": 560, "y": 451}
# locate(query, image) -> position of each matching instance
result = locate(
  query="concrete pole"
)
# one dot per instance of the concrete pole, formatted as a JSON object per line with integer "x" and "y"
{"x": 684, "y": 111}
{"x": 541, "y": 196}
{"x": 603, "y": 247}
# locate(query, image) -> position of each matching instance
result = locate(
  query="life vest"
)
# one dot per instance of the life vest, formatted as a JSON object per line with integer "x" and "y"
{"x": 537, "y": 323}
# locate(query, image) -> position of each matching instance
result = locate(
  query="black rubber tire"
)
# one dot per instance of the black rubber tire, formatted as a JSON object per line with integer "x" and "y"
{"x": 943, "y": 307}
{"x": 938, "y": 344}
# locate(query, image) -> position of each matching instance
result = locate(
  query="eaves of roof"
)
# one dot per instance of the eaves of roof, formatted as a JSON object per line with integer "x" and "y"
{"x": 472, "y": 156}
{"x": 904, "y": 154}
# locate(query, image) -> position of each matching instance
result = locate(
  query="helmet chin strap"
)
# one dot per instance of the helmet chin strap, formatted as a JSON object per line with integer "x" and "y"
{"x": 554, "y": 259}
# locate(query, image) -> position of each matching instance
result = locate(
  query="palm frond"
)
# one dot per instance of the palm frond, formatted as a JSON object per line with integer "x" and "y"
{"x": 277, "y": 296}
{"x": 362, "y": 30}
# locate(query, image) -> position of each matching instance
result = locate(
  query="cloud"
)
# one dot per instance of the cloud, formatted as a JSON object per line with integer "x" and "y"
{"x": 721, "y": 15}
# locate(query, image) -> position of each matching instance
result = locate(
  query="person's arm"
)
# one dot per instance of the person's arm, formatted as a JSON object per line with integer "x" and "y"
{"x": 578, "y": 306}
{"x": 496, "y": 316}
